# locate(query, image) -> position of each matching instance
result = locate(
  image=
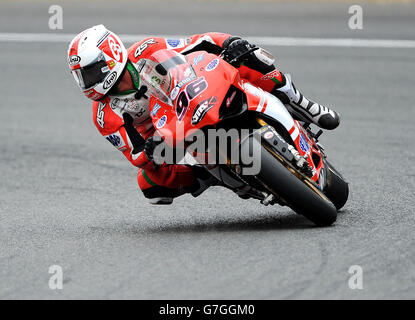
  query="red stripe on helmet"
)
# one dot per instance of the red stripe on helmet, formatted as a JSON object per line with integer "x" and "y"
{"x": 73, "y": 50}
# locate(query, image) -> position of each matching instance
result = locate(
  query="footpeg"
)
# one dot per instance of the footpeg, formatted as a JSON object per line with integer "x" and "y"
{"x": 318, "y": 134}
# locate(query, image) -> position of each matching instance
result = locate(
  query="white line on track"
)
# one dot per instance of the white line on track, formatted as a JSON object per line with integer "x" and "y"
{"x": 263, "y": 41}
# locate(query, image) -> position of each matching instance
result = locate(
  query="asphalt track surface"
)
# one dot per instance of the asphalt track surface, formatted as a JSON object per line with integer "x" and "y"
{"x": 67, "y": 197}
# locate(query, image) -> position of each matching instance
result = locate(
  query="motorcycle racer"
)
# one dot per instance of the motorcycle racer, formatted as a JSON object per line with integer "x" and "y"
{"x": 111, "y": 75}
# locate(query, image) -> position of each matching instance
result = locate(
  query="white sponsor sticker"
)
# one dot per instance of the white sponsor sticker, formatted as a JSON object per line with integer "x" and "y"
{"x": 212, "y": 65}
{"x": 162, "y": 122}
{"x": 268, "y": 135}
{"x": 174, "y": 93}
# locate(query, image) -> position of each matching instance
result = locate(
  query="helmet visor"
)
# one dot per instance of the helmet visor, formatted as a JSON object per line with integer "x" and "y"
{"x": 92, "y": 74}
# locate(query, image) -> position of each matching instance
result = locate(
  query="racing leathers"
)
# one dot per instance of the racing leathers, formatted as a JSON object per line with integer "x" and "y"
{"x": 124, "y": 118}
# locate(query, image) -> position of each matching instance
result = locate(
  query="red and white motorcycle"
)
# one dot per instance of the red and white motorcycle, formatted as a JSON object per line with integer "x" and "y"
{"x": 201, "y": 91}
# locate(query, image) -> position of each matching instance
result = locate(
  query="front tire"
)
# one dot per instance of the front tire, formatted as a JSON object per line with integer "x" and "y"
{"x": 337, "y": 189}
{"x": 302, "y": 198}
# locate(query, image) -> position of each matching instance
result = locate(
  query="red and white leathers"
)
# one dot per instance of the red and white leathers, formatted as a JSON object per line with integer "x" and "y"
{"x": 166, "y": 180}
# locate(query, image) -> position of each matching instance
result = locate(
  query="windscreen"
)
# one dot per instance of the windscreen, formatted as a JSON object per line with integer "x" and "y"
{"x": 165, "y": 73}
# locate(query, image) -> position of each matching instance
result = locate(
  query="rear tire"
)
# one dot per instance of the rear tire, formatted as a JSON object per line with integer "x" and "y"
{"x": 298, "y": 196}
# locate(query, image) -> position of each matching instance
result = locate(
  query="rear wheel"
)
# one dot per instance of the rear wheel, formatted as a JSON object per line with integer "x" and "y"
{"x": 299, "y": 193}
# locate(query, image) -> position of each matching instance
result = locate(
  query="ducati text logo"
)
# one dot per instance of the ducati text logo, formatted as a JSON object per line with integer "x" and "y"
{"x": 201, "y": 109}
{"x": 110, "y": 80}
{"x": 74, "y": 60}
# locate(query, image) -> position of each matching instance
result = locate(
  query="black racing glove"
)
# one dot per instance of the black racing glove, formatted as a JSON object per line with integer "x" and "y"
{"x": 149, "y": 146}
{"x": 238, "y": 51}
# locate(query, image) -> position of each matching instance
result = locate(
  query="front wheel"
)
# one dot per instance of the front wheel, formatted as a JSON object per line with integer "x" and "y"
{"x": 337, "y": 189}
{"x": 300, "y": 195}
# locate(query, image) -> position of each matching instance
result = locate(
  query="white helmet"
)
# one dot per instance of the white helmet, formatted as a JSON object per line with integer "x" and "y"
{"x": 97, "y": 59}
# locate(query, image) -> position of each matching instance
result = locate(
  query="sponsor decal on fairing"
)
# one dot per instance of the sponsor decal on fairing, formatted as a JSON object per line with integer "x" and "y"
{"x": 212, "y": 65}
{"x": 174, "y": 93}
{"x": 198, "y": 59}
{"x": 156, "y": 108}
{"x": 304, "y": 144}
{"x": 176, "y": 89}
{"x": 186, "y": 80}
{"x": 229, "y": 99}
{"x": 161, "y": 122}
{"x": 187, "y": 72}
{"x": 202, "y": 108}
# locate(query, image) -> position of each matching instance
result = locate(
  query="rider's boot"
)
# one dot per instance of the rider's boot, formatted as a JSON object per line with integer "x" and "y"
{"x": 304, "y": 109}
